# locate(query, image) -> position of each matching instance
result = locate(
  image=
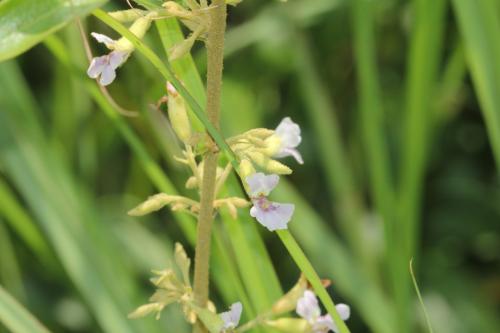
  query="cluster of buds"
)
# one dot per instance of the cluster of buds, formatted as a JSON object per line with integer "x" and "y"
{"x": 170, "y": 288}
{"x": 262, "y": 146}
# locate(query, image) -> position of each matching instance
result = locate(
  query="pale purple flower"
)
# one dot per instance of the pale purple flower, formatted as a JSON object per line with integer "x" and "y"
{"x": 289, "y": 134}
{"x": 308, "y": 308}
{"x": 106, "y": 65}
{"x": 272, "y": 215}
{"x": 232, "y": 317}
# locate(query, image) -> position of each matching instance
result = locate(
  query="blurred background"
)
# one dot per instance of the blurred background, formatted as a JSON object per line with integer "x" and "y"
{"x": 398, "y": 102}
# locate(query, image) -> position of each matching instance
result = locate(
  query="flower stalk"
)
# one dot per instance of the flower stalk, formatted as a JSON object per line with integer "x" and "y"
{"x": 215, "y": 48}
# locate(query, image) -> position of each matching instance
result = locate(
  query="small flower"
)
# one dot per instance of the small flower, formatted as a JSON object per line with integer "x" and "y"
{"x": 106, "y": 65}
{"x": 308, "y": 308}
{"x": 285, "y": 139}
{"x": 272, "y": 215}
{"x": 232, "y": 317}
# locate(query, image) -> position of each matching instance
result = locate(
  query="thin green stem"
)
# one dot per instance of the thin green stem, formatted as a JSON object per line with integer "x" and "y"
{"x": 306, "y": 267}
{"x": 215, "y": 55}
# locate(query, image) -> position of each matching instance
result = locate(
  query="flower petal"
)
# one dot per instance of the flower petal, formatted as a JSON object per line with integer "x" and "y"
{"x": 276, "y": 217}
{"x": 284, "y": 152}
{"x": 324, "y": 324}
{"x": 96, "y": 67}
{"x": 116, "y": 58}
{"x": 231, "y": 318}
{"x": 289, "y": 132}
{"x": 308, "y": 307}
{"x": 103, "y": 39}
{"x": 344, "y": 311}
{"x": 261, "y": 184}
{"x": 107, "y": 75}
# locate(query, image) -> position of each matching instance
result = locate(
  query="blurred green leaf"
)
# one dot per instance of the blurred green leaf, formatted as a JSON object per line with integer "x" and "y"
{"x": 479, "y": 24}
{"x": 16, "y": 318}
{"x": 24, "y": 23}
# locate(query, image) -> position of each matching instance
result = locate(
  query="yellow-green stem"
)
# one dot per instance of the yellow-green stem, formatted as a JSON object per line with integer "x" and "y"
{"x": 215, "y": 52}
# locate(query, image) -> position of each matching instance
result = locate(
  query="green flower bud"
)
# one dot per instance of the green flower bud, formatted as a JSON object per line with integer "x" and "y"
{"x": 183, "y": 262}
{"x": 146, "y": 309}
{"x": 139, "y": 29}
{"x": 152, "y": 204}
{"x": 288, "y": 302}
{"x": 211, "y": 320}
{"x": 245, "y": 169}
{"x": 268, "y": 164}
{"x": 177, "y": 114}
{"x": 290, "y": 325}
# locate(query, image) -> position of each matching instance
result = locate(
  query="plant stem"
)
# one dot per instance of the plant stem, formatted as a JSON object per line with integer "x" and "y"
{"x": 306, "y": 267}
{"x": 215, "y": 54}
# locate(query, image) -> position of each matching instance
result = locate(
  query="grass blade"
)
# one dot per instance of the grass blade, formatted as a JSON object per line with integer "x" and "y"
{"x": 479, "y": 25}
{"x": 16, "y": 318}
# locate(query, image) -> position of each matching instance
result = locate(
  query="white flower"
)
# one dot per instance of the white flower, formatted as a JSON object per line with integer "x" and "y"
{"x": 308, "y": 308}
{"x": 231, "y": 318}
{"x": 272, "y": 215}
{"x": 106, "y": 65}
{"x": 289, "y": 137}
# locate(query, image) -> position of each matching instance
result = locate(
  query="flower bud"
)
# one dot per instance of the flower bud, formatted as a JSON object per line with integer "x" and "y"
{"x": 245, "y": 169}
{"x": 181, "y": 48}
{"x": 268, "y": 164}
{"x": 288, "y": 302}
{"x": 183, "y": 262}
{"x": 290, "y": 325}
{"x": 127, "y": 15}
{"x": 210, "y": 319}
{"x": 177, "y": 114}
{"x": 139, "y": 29}
{"x": 152, "y": 204}
{"x": 146, "y": 309}
{"x": 272, "y": 145}
{"x": 261, "y": 133}
{"x": 191, "y": 183}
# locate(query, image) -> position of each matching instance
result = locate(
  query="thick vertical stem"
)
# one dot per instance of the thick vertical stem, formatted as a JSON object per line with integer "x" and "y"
{"x": 215, "y": 47}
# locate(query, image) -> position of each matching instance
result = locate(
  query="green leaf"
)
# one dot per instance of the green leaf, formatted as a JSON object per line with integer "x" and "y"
{"x": 479, "y": 25}
{"x": 16, "y": 318}
{"x": 24, "y": 23}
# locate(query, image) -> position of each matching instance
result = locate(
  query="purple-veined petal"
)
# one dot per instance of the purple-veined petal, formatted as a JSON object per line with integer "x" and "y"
{"x": 284, "y": 152}
{"x": 231, "y": 318}
{"x": 107, "y": 75}
{"x": 261, "y": 184}
{"x": 103, "y": 39}
{"x": 275, "y": 216}
{"x": 308, "y": 307}
{"x": 97, "y": 65}
{"x": 289, "y": 132}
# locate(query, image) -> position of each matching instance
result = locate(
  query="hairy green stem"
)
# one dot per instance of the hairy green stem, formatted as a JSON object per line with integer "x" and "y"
{"x": 215, "y": 54}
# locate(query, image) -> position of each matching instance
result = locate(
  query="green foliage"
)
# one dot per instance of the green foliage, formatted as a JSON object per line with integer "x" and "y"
{"x": 24, "y": 23}
{"x": 16, "y": 317}
{"x": 399, "y": 163}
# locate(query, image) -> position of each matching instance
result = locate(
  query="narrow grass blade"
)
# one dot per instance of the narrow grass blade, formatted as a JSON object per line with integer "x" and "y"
{"x": 421, "y": 301}
{"x": 16, "y": 318}
{"x": 479, "y": 24}
{"x": 423, "y": 60}
{"x": 10, "y": 272}
{"x": 22, "y": 224}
